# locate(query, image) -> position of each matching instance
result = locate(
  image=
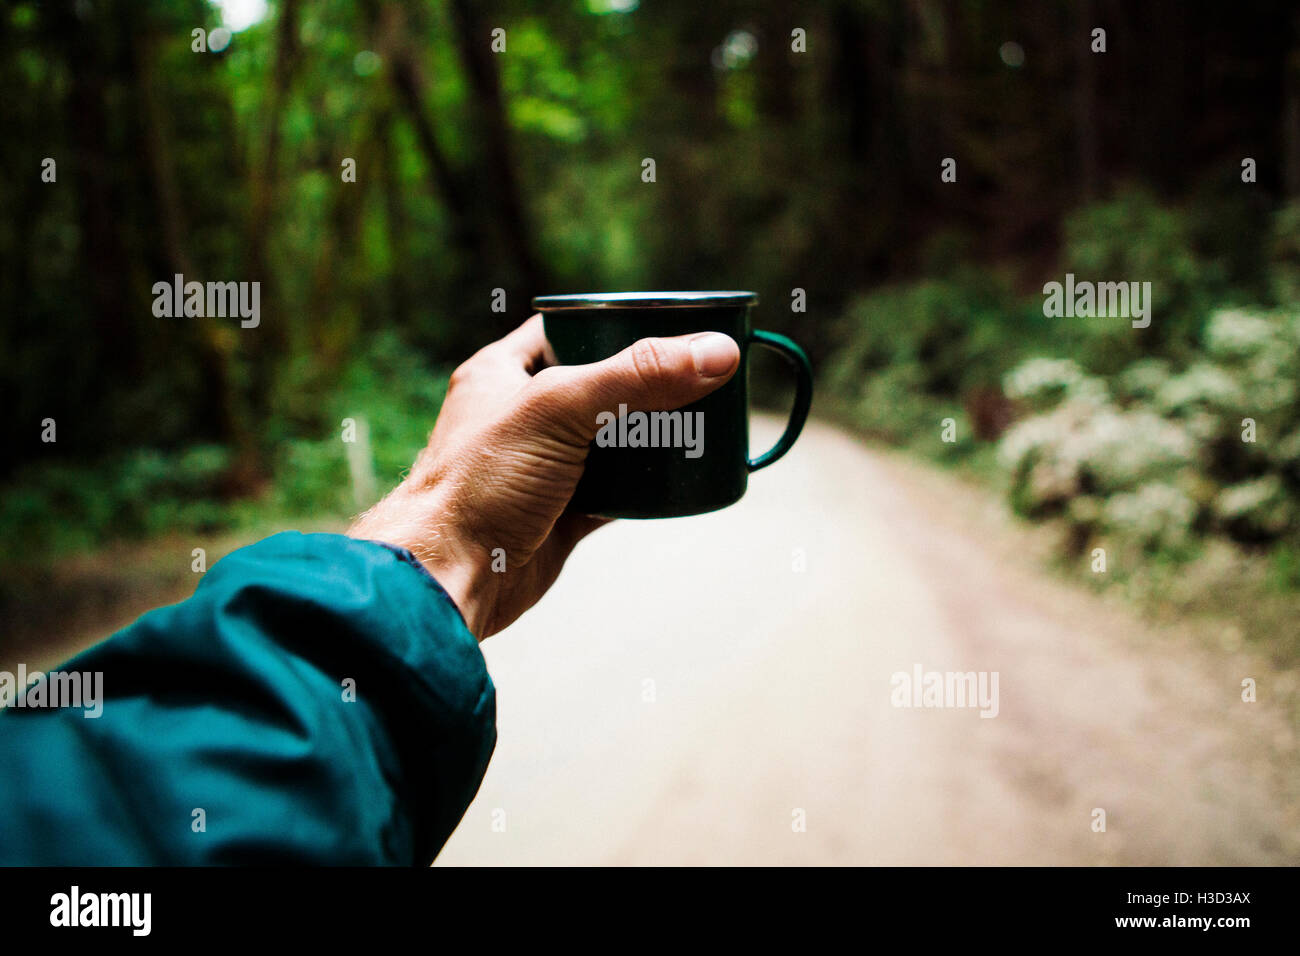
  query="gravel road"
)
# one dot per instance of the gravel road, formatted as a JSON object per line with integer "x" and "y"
{"x": 686, "y": 694}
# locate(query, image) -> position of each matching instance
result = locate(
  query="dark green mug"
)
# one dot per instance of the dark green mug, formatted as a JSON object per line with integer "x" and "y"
{"x": 667, "y": 464}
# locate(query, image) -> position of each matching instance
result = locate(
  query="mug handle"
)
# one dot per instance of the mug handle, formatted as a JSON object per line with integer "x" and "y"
{"x": 802, "y": 394}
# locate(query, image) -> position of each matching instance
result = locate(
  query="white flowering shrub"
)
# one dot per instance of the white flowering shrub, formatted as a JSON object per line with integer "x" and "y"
{"x": 1203, "y": 386}
{"x": 1156, "y": 515}
{"x": 1086, "y": 445}
{"x": 1160, "y": 455}
{"x": 1144, "y": 378}
{"x": 1256, "y": 508}
{"x": 1238, "y": 333}
{"x": 1043, "y": 378}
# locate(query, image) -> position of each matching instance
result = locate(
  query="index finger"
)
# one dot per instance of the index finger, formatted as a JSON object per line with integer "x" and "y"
{"x": 527, "y": 345}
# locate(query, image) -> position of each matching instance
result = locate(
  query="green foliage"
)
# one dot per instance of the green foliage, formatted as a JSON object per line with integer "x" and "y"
{"x": 1162, "y": 456}
{"x": 397, "y": 395}
{"x": 1284, "y": 252}
{"x": 56, "y": 508}
{"x": 776, "y": 170}
{"x": 910, "y": 352}
{"x": 1134, "y": 238}
{"x": 1148, "y": 442}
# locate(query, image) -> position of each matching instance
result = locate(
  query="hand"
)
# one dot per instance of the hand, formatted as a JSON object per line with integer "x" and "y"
{"x": 507, "y": 451}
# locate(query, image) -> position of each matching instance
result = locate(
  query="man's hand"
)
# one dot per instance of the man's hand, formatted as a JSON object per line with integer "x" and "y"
{"x": 507, "y": 451}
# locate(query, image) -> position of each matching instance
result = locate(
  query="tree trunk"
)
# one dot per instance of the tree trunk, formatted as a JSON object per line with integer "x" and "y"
{"x": 510, "y": 217}
{"x": 1085, "y": 100}
{"x": 1291, "y": 113}
{"x": 266, "y": 345}
{"x": 216, "y": 345}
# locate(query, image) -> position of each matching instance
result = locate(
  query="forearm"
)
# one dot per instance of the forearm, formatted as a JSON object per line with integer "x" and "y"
{"x": 318, "y": 699}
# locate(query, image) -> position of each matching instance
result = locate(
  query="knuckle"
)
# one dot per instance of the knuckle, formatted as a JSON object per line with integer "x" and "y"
{"x": 540, "y": 396}
{"x": 549, "y": 377}
{"x": 651, "y": 360}
{"x": 462, "y": 373}
{"x": 550, "y": 403}
{"x": 544, "y": 389}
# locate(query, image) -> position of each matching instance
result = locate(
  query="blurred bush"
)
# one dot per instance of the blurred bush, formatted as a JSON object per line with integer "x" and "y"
{"x": 909, "y": 354}
{"x": 57, "y": 508}
{"x": 1147, "y": 441}
{"x": 1161, "y": 454}
{"x": 1133, "y": 237}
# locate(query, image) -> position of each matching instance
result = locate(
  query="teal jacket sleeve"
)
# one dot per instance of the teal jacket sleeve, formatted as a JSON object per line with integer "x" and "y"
{"x": 318, "y": 700}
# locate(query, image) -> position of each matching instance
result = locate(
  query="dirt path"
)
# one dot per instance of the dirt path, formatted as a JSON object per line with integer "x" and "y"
{"x": 771, "y": 694}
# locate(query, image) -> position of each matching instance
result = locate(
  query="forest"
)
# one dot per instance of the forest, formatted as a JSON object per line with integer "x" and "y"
{"x": 898, "y": 179}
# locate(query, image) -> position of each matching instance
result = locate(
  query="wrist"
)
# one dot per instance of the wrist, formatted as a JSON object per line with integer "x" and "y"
{"x": 463, "y": 582}
{"x": 414, "y": 521}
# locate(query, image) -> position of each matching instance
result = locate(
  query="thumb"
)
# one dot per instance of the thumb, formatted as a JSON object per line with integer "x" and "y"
{"x": 658, "y": 374}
